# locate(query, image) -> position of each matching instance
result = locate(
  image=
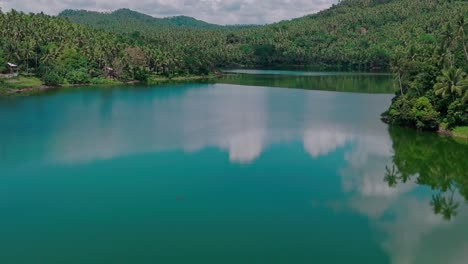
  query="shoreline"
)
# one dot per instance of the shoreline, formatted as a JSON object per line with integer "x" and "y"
{"x": 27, "y": 91}
{"x": 459, "y": 134}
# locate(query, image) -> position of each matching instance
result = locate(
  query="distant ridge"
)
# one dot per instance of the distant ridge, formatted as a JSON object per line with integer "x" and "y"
{"x": 124, "y": 16}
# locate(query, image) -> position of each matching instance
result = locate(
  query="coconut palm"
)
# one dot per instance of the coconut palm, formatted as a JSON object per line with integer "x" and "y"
{"x": 465, "y": 97}
{"x": 391, "y": 176}
{"x": 452, "y": 82}
{"x": 461, "y": 33}
{"x": 447, "y": 207}
{"x": 437, "y": 203}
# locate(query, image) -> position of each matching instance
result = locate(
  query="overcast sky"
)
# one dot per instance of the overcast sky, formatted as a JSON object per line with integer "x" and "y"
{"x": 214, "y": 11}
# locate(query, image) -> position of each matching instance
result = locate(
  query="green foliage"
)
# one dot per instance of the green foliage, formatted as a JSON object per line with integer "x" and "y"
{"x": 141, "y": 74}
{"x": 437, "y": 162}
{"x": 103, "y": 81}
{"x": 135, "y": 20}
{"x": 424, "y": 115}
{"x": 400, "y": 111}
{"x": 412, "y": 112}
{"x": 457, "y": 114}
{"x": 22, "y": 82}
{"x": 2, "y": 65}
{"x": 354, "y": 34}
{"x": 334, "y": 37}
{"x": 451, "y": 82}
{"x": 71, "y": 66}
{"x": 461, "y": 132}
{"x": 2, "y": 61}
{"x": 52, "y": 79}
{"x": 433, "y": 68}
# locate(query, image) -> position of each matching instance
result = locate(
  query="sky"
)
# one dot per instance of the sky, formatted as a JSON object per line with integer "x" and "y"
{"x": 213, "y": 11}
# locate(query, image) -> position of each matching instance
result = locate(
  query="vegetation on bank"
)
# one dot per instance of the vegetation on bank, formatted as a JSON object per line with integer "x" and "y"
{"x": 461, "y": 132}
{"x": 79, "y": 46}
{"x": 28, "y": 85}
{"x": 62, "y": 53}
{"x": 432, "y": 80}
{"x": 21, "y": 82}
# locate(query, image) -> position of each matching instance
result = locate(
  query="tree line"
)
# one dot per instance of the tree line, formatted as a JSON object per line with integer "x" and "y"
{"x": 431, "y": 76}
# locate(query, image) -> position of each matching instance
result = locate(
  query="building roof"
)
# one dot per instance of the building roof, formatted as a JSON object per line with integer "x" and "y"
{"x": 11, "y": 64}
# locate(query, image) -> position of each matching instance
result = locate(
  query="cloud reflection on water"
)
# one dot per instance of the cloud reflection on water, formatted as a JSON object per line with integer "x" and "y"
{"x": 412, "y": 233}
{"x": 243, "y": 123}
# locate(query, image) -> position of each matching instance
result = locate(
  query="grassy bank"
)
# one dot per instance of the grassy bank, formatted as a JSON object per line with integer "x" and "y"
{"x": 460, "y": 133}
{"x": 21, "y": 82}
{"x": 155, "y": 79}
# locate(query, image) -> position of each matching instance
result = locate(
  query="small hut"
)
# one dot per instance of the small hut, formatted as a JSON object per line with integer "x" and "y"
{"x": 12, "y": 67}
{"x": 12, "y": 71}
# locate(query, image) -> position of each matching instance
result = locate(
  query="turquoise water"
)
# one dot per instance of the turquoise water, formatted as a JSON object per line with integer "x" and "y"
{"x": 222, "y": 173}
{"x": 302, "y": 73}
{"x": 325, "y": 81}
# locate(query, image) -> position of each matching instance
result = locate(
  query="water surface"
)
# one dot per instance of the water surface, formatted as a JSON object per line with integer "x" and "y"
{"x": 225, "y": 173}
{"x": 326, "y": 81}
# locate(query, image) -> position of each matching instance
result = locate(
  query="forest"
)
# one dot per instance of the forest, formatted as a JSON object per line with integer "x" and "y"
{"x": 423, "y": 42}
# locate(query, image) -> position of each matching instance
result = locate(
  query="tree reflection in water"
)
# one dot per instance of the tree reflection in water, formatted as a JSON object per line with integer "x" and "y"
{"x": 437, "y": 162}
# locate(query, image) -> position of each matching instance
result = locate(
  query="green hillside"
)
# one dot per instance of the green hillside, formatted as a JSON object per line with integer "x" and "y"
{"x": 126, "y": 20}
{"x": 354, "y": 34}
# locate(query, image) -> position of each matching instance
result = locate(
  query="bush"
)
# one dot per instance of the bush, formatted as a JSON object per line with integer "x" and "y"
{"x": 457, "y": 114}
{"x": 52, "y": 79}
{"x": 103, "y": 81}
{"x": 399, "y": 112}
{"x": 2, "y": 62}
{"x": 141, "y": 74}
{"x": 79, "y": 76}
{"x": 461, "y": 132}
{"x": 423, "y": 114}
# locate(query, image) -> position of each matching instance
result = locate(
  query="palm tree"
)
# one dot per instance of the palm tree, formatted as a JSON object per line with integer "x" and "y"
{"x": 398, "y": 70}
{"x": 447, "y": 207}
{"x": 437, "y": 203}
{"x": 452, "y": 82}
{"x": 465, "y": 97}
{"x": 461, "y": 33}
{"x": 2, "y": 61}
{"x": 391, "y": 176}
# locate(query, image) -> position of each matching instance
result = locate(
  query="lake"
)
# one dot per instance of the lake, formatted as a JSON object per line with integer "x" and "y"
{"x": 240, "y": 170}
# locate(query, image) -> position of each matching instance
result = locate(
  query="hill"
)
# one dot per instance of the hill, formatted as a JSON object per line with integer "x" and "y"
{"x": 360, "y": 34}
{"x": 354, "y": 34}
{"x": 126, "y": 20}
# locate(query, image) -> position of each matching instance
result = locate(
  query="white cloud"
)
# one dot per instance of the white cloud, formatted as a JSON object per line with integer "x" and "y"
{"x": 402, "y": 216}
{"x": 322, "y": 141}
{"x": 214, "y": 11}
